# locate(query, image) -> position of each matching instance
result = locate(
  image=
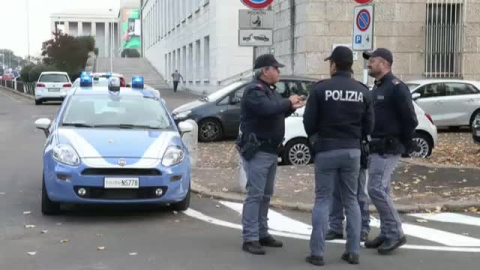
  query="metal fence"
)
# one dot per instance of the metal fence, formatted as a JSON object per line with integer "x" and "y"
{"x": 26, "y": 88}
{"x": 444, "y": 38}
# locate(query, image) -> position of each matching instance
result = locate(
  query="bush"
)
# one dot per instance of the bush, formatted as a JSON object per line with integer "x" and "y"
{"x": 37, "y": 70}
{"x": 25, "y": 73}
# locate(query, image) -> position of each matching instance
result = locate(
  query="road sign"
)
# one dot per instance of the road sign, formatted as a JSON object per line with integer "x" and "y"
{"x": 255, "y": 37}
{"x": 363, "y": 28}
{"x": 255, "y": 19}
{"x": 363, "y": 2}
{"x": 257, "y": 4}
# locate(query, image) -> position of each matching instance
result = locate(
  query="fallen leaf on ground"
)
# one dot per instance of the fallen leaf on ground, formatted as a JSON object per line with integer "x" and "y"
{"x": 438, "y": 209}
{"x": 175, "y": 212}
{"x": 29, "y": 226}
{"x": 44, "y": 231}
{"x": 177, "y": 221}
{"x": 32, "y": 253}
{"x": 422, "y": 221}
{"x": 132, "y": 253}
{"x": 27, "y": 213}
{"x": 217, "y": 206}
{"x": 100, "y": 248}
{"x": 297, "y": 190}
{"x": 225, "y": 189}
{"x": 63, "y": 241}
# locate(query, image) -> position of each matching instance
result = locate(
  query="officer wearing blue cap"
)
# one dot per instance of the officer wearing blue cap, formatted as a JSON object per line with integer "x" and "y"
{"x": 262, "y": 129}
{"x": 395, "y": 123}
{"x": 338, "y": 115}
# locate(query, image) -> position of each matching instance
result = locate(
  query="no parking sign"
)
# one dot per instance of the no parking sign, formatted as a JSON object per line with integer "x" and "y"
{"x": 363, "y": 28}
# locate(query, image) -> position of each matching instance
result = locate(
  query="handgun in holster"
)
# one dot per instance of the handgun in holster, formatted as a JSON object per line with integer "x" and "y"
{"x": 365, "y": 152}
{"x": 248, "y": 146}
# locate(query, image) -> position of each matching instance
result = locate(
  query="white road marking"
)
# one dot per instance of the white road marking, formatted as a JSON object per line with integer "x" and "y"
{"x": 277, "y": 221}
{"x": 450, "y": 218}
{"x": 434, "y": 235}
{"x": 200, "y": 216}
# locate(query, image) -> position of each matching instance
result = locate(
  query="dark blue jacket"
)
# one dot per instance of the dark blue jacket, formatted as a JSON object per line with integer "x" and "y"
{"x": 263, "y": 112}
{"x": 394, "y": 112}
{"x": 339, "y": 113}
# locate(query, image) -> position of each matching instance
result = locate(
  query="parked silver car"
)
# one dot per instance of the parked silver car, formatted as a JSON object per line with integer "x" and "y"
{"x": 451, "y": 103}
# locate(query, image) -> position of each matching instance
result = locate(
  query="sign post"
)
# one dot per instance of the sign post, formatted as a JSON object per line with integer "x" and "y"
{"x": 362, "y": 39}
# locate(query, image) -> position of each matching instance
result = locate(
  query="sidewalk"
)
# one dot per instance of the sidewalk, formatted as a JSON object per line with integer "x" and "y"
{"x": 415, "y": 187}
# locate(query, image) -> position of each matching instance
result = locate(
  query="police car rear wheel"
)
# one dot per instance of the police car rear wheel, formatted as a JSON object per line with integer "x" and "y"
{"x": 48, "y": 207}
{"x": 298, "y": 152}
{"x": 209, "y": 130}
{"x": 424, "y": 144}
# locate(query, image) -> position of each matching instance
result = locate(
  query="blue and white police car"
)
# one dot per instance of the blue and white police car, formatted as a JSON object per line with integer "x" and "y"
{"x": 114, "y": 145}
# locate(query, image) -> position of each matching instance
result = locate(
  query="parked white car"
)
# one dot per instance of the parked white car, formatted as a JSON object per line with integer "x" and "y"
{"x": 451, "y": 103}
{"x": 296, "y": 149}
{"x": 52, "y": 86}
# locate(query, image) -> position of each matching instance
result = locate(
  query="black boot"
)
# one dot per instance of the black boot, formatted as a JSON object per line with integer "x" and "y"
{"x": 375, "y": 243}
{"x": 253, "y": 247}
{"x": 388, "y": 246}
{"x": 332, "y": 235}
{"x": 315, "y": 260}
{"x": 351, "y": 258}
{"x": 269, "y": 241}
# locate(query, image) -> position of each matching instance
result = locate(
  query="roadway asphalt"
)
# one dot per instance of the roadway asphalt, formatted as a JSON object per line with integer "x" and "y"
{"x": 206, "y": 236}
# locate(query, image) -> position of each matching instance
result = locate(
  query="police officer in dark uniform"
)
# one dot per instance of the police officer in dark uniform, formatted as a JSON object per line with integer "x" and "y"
{"x": 262, "y": 129}
{"x": 338, "y": 115}
{"x": 395, "y": 123}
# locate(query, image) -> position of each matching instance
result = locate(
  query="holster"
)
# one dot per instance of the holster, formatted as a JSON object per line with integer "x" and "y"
{"x": 365, "y": 154}
{"x": 248, "y": 146}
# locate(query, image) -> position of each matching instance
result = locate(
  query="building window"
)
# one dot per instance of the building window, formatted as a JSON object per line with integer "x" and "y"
{"x": 206, "y": 58}
{"x": 191, "y": 76}
{"x": 198, "y": 69}
{"x": 444, "y": 38}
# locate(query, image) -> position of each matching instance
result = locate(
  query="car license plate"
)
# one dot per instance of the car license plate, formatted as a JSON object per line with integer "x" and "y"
{"x": 121, "y": 182}
{"x": 53, "y": 89}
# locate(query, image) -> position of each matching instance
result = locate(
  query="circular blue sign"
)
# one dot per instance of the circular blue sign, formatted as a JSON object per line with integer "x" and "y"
{"x": 363, "y": 20}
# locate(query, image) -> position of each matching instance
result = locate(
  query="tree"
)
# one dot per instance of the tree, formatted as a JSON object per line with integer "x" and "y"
{"x": 25, "y": 73}
{"x": 67, "y": 53}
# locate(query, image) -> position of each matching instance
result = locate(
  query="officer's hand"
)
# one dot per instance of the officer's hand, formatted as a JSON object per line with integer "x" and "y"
{"x": 294, "y": 99}
{"x": 298, "y": 105}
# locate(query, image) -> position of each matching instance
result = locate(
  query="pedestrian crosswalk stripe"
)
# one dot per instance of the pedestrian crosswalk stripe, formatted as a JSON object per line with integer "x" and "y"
{"x": 450, "y": 218}
{"x": 434, "y": 235}
{"x": 282, "y": 223}
{"x": 277, "y": 221}
{"x": 200, "y": 216}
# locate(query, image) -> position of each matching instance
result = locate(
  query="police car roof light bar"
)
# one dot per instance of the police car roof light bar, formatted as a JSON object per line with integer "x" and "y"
{"x": 137, "y": 82}
{"x": 86, "y": 81}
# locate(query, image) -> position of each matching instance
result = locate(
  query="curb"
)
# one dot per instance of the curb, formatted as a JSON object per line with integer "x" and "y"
{"x": 302, "y": 207}
{"x": 17, "y": 93}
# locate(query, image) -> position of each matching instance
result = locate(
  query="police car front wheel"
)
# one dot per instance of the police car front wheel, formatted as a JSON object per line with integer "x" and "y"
{"x": 48, "y": 207}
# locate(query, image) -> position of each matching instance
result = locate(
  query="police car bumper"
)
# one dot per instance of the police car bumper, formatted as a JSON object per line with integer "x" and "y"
{"x": 85, "y": 185}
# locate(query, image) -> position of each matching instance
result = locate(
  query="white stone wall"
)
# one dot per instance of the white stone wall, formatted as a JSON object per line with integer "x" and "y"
{"x": 219, "y": 21}
{"x": 399, "y": 26}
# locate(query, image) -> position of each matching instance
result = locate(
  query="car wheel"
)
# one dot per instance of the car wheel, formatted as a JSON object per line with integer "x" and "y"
{"x": 184, "y": 204}
{"x": 209, "y": 130}
{"x": 48, "y": 207}
{"x": 425, "y": 146}
{"x": 475, "y": 117}
{"x": 38, "y": 102}
{"x": 298, "y": 152}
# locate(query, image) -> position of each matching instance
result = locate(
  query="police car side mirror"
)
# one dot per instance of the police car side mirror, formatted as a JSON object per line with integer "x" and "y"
{"x": 416, "y": 96}
{"x": 43, "y": 124}
{"x": 185, "y": 127}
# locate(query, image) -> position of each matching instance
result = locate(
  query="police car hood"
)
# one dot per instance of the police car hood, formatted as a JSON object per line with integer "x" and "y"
{"x": 107, "y": 143}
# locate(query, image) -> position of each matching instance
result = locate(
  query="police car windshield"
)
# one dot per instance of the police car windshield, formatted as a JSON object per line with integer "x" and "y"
{"x": 131, "y": 112}
{"x": 224, "y": 91}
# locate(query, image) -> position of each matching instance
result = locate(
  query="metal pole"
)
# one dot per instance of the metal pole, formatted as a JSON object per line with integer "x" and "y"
{"x": 28, "y": 30}
{"x": 365, "y": 71}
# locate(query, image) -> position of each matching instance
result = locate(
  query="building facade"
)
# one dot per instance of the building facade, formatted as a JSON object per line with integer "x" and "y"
{"x": 429, "y": 38}
{"x": 102, "y": 26}
{"x": 199, "y": 38}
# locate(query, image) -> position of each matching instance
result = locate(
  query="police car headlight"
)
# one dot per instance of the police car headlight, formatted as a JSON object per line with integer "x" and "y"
{"x": 182, "y": 115}
{"x": 172, "y": 156}
{"x": 64, "y": 153}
